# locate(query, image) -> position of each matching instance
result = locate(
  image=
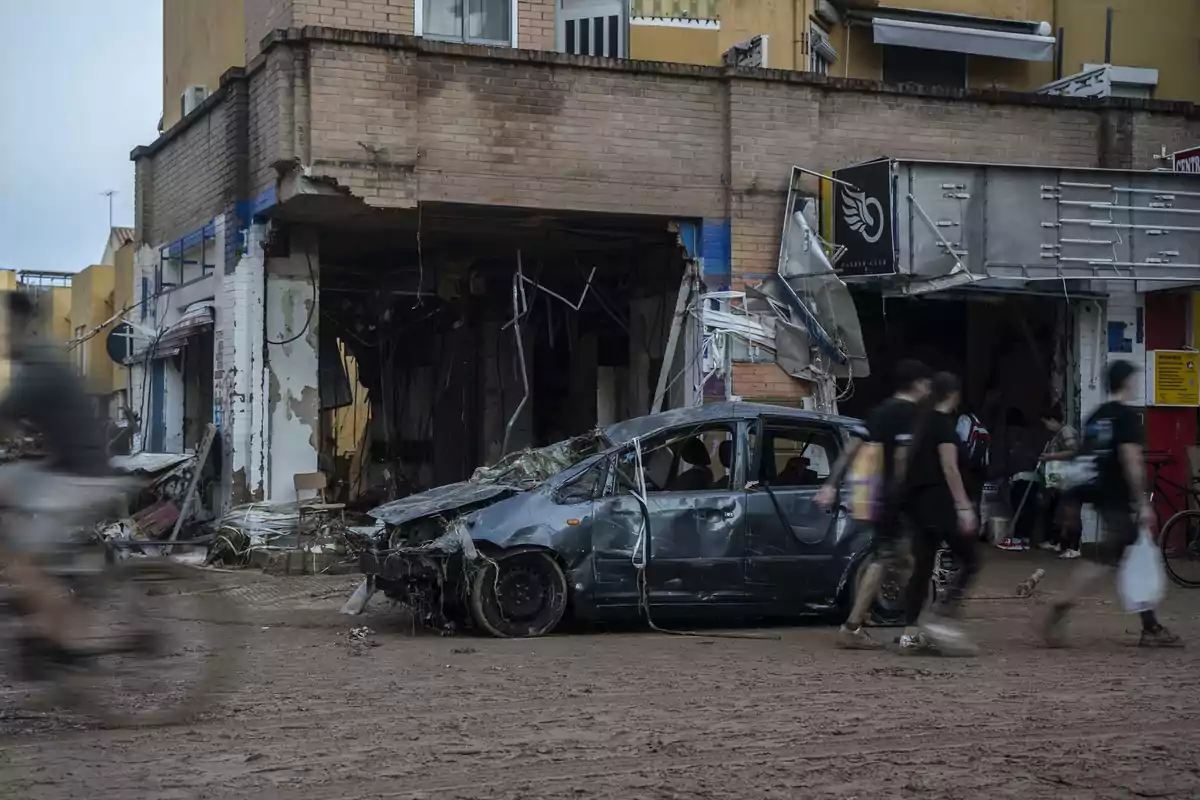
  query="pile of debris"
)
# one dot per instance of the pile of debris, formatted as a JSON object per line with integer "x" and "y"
{"x": 295, "y": 538}
{"x": 163, "y": 517}
{"x": 20, "y": 448}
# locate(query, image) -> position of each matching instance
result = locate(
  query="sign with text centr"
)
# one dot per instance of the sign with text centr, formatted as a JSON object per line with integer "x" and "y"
{"x": 864, "y": 219}
{"x": 1174, "y": 377}
{"x": 1187, "y": 161}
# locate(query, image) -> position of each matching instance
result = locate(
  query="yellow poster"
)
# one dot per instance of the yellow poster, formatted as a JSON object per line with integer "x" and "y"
{"x": 1176, "y": 378}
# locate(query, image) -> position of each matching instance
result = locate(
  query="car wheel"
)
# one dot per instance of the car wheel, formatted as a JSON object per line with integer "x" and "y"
{"x": 519, "y": 595}
{"x": 889, "y": 605}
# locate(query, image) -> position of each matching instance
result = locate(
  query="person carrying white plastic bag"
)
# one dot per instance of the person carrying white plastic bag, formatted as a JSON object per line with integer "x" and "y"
{"x": 1110, "y": 475}
{"x": 1142, "y": 581}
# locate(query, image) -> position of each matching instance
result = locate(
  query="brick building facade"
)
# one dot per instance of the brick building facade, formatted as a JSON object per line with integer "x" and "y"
{"x": 347, "y": 126}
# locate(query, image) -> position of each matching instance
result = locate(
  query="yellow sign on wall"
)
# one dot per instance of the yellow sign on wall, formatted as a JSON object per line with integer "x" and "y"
{"x": 1176, "y": 378}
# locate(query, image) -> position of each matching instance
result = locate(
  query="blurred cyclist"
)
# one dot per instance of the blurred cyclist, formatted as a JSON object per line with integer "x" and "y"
{"x": 52, "y": 494}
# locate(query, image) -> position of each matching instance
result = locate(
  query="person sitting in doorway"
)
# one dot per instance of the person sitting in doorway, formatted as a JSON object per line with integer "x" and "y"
{"x": 1061, "y": 537}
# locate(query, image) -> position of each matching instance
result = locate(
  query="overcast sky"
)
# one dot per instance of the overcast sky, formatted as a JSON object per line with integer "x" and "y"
{"x": 80, "y": 86}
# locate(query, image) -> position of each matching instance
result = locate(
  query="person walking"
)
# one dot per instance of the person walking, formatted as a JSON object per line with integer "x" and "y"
{"x": 941, "y": 511}
{"x": 1112, "y": 442}
{"x": 1062, "y": 530}
{"x": 889, "y": 425}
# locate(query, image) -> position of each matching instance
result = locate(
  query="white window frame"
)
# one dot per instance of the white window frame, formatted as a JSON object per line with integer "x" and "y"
{"x": 419, "y": 27}
{"x": 817, "y": 62}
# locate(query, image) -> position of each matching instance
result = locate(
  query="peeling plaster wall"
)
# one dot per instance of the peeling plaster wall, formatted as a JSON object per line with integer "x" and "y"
{"x": 293, "y": 403}
{"x": 239, "y": 373}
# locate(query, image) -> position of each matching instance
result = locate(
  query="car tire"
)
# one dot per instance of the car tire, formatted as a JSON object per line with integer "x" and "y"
{"x": 519, "y": 595}
{"x": 888, "y": 609}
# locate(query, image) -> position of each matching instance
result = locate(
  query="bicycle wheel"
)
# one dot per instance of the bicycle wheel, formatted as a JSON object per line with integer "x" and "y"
{"x": 1179, "y": 539}
{"x": 160, "y": 635}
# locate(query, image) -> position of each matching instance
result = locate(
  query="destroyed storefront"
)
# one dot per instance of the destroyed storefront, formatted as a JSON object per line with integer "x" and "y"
{"x": 1024, "y": 281}
{"x": 168, "y": 342}
{"x": 448, "y": 336}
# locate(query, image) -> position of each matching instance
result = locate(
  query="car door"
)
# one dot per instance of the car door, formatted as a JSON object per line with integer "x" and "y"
{"x": 694, "y": 553}
{"x": 791, "y": 554}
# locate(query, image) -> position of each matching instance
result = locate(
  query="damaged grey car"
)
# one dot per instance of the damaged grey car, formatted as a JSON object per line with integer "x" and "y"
{"x": 704, "y": 515}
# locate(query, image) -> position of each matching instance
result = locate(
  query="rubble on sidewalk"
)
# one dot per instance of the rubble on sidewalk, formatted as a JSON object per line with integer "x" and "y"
{"x": 288, "y": 539}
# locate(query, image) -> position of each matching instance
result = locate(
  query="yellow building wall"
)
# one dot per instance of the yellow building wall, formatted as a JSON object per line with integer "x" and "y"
{"x": 1154, "y": 34}
{"x": 58, "y": 311}
{"x": 1157, "y": 34}
{"x": 8, "y": 282}
{"x": 201, "y": 40}
{"x": 91, "y": 305}
{"x": 782, "y": 21}
{"x": 680, "y": 45}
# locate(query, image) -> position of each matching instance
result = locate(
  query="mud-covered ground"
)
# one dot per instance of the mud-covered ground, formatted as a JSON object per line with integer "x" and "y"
{"x": 643, "y": 715}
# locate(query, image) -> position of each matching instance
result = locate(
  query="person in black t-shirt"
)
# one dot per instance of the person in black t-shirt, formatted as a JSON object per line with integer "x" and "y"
{"x": 890, "y": 424}
{"x": 941, "y": 511}
{"x": 1112, "y": 436}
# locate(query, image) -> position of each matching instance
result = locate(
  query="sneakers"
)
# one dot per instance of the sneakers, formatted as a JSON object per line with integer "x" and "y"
{"x": 948, "y": 637}
{"x": 1014, "y": 545}
{"x": 1050, "y": 547}
{"x": 856, "y": 639}
{"x": 916, "y": 645}
{"x": 1159, "y": 638}
{"x": 1069, "y": 554}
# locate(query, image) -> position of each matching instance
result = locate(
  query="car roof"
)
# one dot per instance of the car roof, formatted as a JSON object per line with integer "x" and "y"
{"x": 627, "y": 430}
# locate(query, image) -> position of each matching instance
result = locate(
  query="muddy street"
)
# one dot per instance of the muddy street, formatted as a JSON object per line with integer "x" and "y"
{"x": 616, "y": 715}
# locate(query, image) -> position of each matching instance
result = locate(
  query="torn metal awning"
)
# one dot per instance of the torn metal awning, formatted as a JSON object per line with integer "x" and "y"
{"x": 196, "y": 318}
{"x": 926, "y": 226}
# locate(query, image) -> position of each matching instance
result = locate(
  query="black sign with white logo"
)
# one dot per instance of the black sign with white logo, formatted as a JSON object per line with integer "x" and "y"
{"x": 864, "y": 219}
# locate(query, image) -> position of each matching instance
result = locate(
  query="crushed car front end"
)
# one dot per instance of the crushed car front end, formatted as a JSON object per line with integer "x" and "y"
{"x": 436, "y": 547}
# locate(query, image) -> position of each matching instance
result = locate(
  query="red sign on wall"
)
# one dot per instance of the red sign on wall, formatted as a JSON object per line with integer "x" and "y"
{"x": 1188, "y": 161}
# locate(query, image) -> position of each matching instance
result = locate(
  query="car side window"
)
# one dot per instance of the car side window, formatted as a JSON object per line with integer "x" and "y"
{"x": 796, "y": 455}
{"x": 587, "y": 486}
{"x": 694, "y": 459}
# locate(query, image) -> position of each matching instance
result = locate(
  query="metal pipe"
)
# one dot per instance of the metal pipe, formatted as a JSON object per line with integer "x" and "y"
{"x": 824, "y": 177}
{"x": 1111, "y": 207}
{"x": 1099, "y": 223}
{"x": 1170, "y": 195}
{"x": 1058, "y": 54}
{"x": 1108, "y": 32}
{"x": 520, "y": 357}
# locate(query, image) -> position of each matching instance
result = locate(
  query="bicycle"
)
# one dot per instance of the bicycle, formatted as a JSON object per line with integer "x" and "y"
{"x": 112, "y": 577}
{"x": 1179, "y": 536}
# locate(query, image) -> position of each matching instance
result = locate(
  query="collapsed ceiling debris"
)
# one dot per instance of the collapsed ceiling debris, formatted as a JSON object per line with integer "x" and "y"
{"x": 803, "y": 315}
{"x": 529, "y": 331}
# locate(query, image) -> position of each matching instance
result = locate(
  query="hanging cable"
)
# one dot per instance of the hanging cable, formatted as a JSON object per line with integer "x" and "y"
{"x": 312, "y": 281}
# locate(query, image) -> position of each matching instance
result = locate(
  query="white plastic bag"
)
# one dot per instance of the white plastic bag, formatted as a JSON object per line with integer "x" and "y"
{"x": 1142, "y": 580}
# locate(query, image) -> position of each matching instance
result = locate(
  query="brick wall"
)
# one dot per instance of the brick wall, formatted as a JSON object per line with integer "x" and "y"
{"x": 262, "y": 17}
{"x": 190, "y": 179}
{"x": 537, "y": 25}
{"x": 536, "y": 19}
{"x": 394, "y": 119}
{"x": 265, "y": 123}
{"x": 381, "y": 16}
{"x": 364, "y": 118}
